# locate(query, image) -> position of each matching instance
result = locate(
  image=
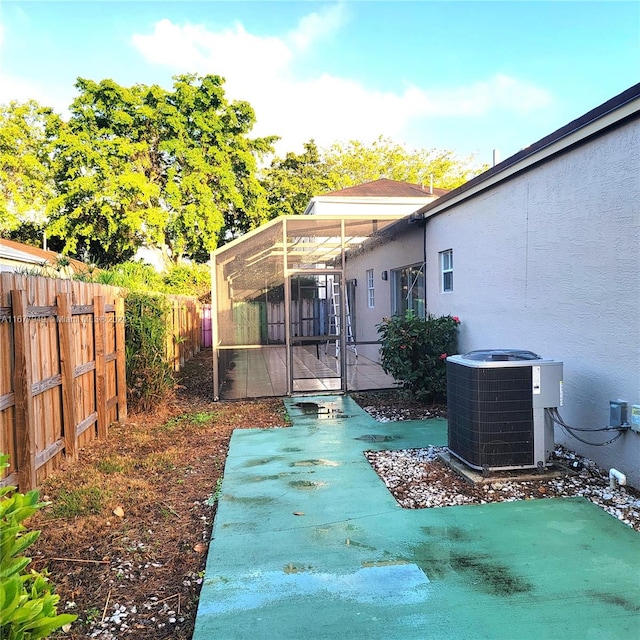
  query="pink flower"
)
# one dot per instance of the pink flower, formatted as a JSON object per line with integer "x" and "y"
{"x": 456, "y": 319}
{"x": 443, "y": 356}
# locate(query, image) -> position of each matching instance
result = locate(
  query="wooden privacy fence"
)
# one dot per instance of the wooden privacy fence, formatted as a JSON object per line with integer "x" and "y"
{"x": 184, "y": 332}
{"x": 62, "y": 371}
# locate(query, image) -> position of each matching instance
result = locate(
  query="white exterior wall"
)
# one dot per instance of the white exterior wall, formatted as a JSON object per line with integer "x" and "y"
{"x": 550, "y": 261}
{"x": 366, "y": 206}
{"x": 403, "y": 251}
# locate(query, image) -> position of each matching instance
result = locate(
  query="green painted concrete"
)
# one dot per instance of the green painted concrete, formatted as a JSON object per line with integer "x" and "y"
{"x": 353, "y": 564}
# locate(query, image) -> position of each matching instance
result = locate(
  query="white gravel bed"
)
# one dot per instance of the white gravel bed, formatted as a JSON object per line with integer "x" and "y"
{"x": 397, "y": 414}
{"x": 418, "y": 479}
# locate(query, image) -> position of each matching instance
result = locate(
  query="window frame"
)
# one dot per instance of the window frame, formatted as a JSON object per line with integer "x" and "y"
{"x": 412, "y": 278}
{"x": 446, "y": 271}
{"x": 371, "y": 292}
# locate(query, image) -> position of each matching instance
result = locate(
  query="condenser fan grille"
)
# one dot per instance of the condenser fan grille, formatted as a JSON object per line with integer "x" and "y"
{"x": 490, "y": 414}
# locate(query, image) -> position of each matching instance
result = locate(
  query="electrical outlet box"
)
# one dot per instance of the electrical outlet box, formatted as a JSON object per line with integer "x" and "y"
{"x": 617, "y": 413}
{"x": 635, "y": 418}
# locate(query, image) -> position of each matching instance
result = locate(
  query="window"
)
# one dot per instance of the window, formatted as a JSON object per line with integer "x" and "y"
{"x": 446, "y": 268}
{"x": 408, "y": 290}
{"x": 371, "y": 298}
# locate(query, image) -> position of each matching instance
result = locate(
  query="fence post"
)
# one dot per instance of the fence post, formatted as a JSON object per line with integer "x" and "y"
{"x": 101, "y": 380}
{"x": 182, "y": 325}
{"x": 189, "y": 329}
{"x": 121, "y": 362}
{"x": 169, "y": 334}
{"x": 24, "y": 410}
{"x": 176, "y": 334}
{"x": 67, "y": 364}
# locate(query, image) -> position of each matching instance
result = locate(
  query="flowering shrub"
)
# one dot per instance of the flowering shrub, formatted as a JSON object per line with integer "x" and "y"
{"x": 414, "y": 351}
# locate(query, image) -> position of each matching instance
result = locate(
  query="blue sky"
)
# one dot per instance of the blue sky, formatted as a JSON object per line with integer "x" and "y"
{"x": 465, "y": 76}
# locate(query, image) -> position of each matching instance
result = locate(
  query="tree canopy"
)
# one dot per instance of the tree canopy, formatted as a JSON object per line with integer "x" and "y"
{"x": 291, "y": 182}
{"x": 145, "y": 166}
{"x": 25, "y": 177}
{"x": 354, "y": 162}
{"x": 173, "y": 169}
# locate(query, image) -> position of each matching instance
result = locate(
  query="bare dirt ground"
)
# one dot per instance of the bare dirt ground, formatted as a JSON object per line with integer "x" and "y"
{"x": 126, "y": 534}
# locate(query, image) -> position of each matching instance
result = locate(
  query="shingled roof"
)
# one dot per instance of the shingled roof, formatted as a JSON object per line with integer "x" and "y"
{"x": 385, "y": 188}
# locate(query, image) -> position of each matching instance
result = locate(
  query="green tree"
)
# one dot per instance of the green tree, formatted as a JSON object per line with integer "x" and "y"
{"x": 291, "y": 182}
{"x": 145, "y": 166}
{"x": 212, "y": 190}
{"x": 25, "y": 175}
{"x": 355, "y": 162}
{"x": 105, "y": 203}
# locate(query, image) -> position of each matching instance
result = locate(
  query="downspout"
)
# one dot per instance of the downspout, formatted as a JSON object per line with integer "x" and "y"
{"x": 343, "y": 310}
{"x": 424, "y": 263}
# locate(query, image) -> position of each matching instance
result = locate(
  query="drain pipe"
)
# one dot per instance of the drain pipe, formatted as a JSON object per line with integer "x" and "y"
{"x": 614, "y": 475}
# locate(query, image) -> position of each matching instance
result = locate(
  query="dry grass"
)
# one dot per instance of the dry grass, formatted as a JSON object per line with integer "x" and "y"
{"x": 129, "y": 524}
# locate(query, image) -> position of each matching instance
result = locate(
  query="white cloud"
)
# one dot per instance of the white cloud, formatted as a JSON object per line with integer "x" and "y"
{"x": 15, "y": 89}
{"x": 318, "y": 26}
{"x": 230, "y": 53}
{"x": 19, "y": 90}
{"x": 324, "y": 107}
{"x": 498, "y": 93}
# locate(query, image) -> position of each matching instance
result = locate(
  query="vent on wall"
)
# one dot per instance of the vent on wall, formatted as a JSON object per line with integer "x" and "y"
{"x": 496, "y": 402}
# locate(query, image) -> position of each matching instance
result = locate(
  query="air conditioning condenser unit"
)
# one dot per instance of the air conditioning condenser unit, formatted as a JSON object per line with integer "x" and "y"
{"x": 496, "y": 401}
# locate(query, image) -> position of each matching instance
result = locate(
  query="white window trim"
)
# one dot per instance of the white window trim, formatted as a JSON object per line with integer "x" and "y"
{"x": 447, "y": 270}
{"x": 371, "y": 295}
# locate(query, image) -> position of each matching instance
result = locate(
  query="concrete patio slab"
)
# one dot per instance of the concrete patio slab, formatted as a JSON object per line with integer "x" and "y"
{"x": 309, "y": 544}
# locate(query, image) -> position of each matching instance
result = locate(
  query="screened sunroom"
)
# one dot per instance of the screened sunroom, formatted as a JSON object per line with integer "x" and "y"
{"x": 282, "y": 308}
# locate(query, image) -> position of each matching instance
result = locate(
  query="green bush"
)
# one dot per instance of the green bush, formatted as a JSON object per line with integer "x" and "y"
{"x": 414, "y": 351}
{"x": 28, "y": 607}
{"x": 182, "y": 279}
{"x": 189, "y": 280}
{"x": 134, "y": 276}
{"x": 149, "y": 374}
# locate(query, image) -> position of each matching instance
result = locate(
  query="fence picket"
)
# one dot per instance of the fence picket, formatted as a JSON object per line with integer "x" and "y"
{"x": 121, "y": 364}
{"x": 101, "y": 382}
{"x": 63, "y": 368}
{"x": 67, "y": 361}
{"x": 24, "y": 409}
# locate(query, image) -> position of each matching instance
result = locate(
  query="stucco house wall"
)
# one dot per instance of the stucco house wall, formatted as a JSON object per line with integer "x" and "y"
{"x": 379, "y": 197}
{"x": 405, "y": 249}
{"x": 366, "y": 206}
{"x": 549, "y": 260}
